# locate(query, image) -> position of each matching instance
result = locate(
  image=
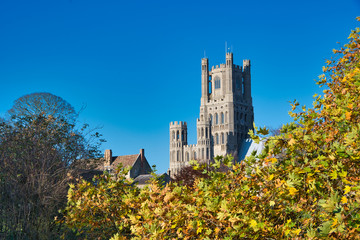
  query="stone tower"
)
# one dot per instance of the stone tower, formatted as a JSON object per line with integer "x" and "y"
{"x": 178, "y": 139}
{"x": 226, "y": 115}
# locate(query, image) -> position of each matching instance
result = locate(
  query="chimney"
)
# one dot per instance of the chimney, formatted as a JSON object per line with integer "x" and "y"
{"x": 142, "y": 158}
{"x": 108, "y": 157}
{"x": 142, "y": 154}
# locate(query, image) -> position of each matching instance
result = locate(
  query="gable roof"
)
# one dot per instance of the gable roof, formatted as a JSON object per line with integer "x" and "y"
{"x": 126, "y": 160}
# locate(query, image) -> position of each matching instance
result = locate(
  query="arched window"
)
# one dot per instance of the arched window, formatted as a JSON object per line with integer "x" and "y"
{"x": 217, "y": 82}
{"x": 211, "y": 118}
{"x": 207, "y": 153}
{"x": 222, "y": 119}
{"x": 182, "y": 135}
{"x": 206, "y": 132}
{"x": 216, "y": 119}
{"x": 177, "y": 135}
{"x": 222, "y": 138}
{"x": 216, "y": 139}
{"x": 202, "y": 153}
{"x": 202, "y": 132}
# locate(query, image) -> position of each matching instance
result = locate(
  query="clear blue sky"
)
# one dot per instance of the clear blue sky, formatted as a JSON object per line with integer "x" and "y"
{"x": 136, "y": 64}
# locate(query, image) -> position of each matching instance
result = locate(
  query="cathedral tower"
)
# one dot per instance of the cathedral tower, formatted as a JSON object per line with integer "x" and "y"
{"x": 226, "y": 114}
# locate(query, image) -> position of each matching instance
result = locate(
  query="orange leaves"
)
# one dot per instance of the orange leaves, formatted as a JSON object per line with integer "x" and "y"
{"x": 348, "y": 116}
{"x": 291, "y": 141}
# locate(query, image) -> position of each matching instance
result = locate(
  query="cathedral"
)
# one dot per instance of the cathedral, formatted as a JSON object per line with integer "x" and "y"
{"x": 226, "y": 115}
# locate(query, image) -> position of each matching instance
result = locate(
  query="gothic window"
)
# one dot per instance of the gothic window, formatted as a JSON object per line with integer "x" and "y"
{"x": 222, "y": 138}
{"x": 217, "y": 139}
{"x": 211, "y": 118}
{"x": 202, "y": 153}
{"x": 216, "y": 119}
{"x": 177, "y": 135}
{"x": 207, "y": 153}
{"x": 217, "y": 82}
{"x": 206, "y": 132}
{"x": 222, "y": 118}
{"x": 202, "y": 132}
{"x": 182, "y": 135}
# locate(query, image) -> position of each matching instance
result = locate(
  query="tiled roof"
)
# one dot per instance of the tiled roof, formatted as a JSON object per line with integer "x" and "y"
{"x": 146, "y": 178}
{"x": 143, "y": 179}
{"x": 126, "y": 161}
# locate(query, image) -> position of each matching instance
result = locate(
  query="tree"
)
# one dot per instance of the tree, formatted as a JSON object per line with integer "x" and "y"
{"x": 37, "y": 155}
{"x": 43, "y": 103}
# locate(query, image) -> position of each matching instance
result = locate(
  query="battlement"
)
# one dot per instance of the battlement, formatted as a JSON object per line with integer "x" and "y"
{"x": 190, "y": 146}
{"x": 223, "y": 65}
{"x": 178, "y": 124}
{"x": 246, "y": 62}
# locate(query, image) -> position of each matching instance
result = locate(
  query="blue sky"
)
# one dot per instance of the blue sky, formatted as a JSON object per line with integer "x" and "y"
{"x": 136, "y": 64}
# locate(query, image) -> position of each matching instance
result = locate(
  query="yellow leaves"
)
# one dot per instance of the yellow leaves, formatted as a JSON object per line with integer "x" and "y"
{"x": 296, "y": 231}
{"x": 272, "y": 203}
{"x": 335, "y": 221}
{"x": 333, "y": 174}
{"x": 270, "y": 177}
{"x": 253, "y": 223}
{"x": 292, "y": 191}
{"x": 347, "y": 189}
{"x": 344, "y": 200}
{"x": 272, "y": 160}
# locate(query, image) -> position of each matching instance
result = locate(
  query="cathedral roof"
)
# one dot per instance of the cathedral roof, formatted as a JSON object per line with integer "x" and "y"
{"x": 248, "y": 146}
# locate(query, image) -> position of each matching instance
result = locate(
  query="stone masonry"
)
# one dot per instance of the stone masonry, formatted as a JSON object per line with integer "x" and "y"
{"x": 226, "y": 115}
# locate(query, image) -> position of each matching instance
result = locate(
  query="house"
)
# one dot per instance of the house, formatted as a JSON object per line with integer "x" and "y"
{"x": 137, "y": 162}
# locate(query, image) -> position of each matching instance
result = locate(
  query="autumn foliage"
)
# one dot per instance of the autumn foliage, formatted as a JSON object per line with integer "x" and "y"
{"x": 305, "y": 185}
